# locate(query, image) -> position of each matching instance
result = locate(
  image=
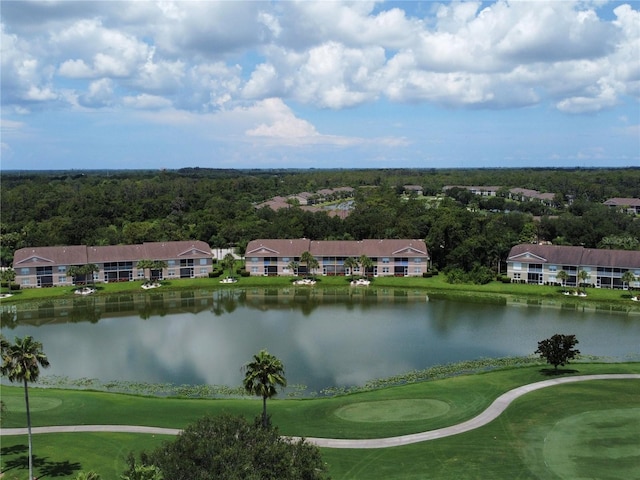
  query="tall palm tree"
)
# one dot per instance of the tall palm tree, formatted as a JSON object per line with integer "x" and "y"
{"x": 309, "y": 260}
{"x": 350, "y": 263}
{"x": 628, "y": 277}
{"x": 563, "y": 276}
{"x": 145, "y": 265}
{"x": 583, "y": 276}
{"x": 294, "y": 266}
{"x": 21, "y": 362}
{"x": 365, "y": 263}
{"x": 228, "y": 261}
{"x": 262, "y": 377}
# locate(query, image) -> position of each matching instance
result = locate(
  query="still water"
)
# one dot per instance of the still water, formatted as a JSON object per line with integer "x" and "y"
{"x": 325, "y": 338}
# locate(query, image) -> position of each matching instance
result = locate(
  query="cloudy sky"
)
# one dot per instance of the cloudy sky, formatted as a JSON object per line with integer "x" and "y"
{"x": 239, "y": 84}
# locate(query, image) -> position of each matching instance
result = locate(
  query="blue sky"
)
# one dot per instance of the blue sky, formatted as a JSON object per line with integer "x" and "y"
{"x": 116, "y": 84}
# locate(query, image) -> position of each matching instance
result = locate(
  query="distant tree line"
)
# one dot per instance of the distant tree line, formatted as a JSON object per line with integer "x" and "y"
{"x": 218, "y": 207}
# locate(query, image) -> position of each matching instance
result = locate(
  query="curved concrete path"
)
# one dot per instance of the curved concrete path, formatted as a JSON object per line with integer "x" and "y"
{"x": 492, "y": 412}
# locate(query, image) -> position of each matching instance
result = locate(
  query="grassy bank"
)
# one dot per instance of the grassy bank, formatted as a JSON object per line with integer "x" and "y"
{"x": 436, "y": 285}
{"x": 511, "y": 447}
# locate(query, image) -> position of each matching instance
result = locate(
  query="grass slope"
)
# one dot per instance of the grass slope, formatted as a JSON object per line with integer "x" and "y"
{"x": 509, "y": 448}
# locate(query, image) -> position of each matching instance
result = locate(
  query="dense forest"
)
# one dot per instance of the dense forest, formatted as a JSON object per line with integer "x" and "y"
{"x": 219, "y": 206}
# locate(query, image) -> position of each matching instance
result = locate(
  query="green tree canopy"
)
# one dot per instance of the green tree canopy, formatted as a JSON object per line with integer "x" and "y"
{"x": 558, "y": 349}
{"x": 229, "y": 447}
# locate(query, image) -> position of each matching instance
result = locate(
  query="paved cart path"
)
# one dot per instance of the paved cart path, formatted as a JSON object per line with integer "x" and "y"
{"x": 491, "y": 413}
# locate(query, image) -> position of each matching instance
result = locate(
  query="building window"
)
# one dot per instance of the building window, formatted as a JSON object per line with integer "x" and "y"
{"x": 24, "y": 271}
{"x": 385, "y": 269}
{"x": 517, "y": 266}
{"x": 62, "y": 279}
{"x": 62, "y": 269}
{"x": 254, "y": 269}
{"x": 286, "y": 259}
{"x": 385, "y": 260}
{"x": 254, "y": 259}
{"x": 516, "y": 276}
{"x": 553, "y": 268}
{"x": 203, "y": 271}
{"x": 171, "y": 263}
{"x": 203, "y": 261}
{"x": 417, "y": 260}
{"x": 26, "y": 281}
{"x": 171, "y": 272}
{"x": 140, "y": 273}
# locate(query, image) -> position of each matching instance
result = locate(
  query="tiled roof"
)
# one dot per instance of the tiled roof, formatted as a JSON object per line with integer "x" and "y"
{"x": 623, "y": 202}
{"x": 342, "y": 248}
{"x": 48, "y": 256}
{"x": 82, "y": 255}
{"x": 277, "y": 247}
{"x": 568, "y": 255}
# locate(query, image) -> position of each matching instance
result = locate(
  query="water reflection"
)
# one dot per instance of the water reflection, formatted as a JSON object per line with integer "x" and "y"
{"x": 325, "y": 337}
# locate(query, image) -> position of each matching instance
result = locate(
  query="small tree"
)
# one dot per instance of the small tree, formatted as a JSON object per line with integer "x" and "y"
{"x": 262, "y": 377}
{"x": 7, "y": 275}
{"x": 558, "y": 349}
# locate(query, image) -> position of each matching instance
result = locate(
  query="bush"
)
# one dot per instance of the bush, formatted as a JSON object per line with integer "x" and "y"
{"x": 230, "y": 447}
{"x": 14, "y": 286}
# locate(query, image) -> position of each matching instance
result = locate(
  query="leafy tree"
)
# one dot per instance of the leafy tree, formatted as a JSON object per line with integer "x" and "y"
{"x": 21, "y": 361}
{"x": 8, "y": 275}
{"x": 229, "y": 447}
{"x": 262, "y": 377}
{"x": 558, "y": 349}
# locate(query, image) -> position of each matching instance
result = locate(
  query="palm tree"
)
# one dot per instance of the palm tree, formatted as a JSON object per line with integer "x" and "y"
{"x": 145, "y": 265}
{"x": 310, "y": 261}
{"x": 293, "y": 266}
{"x": 228, "y": 261}
{"x": 365, "y": 263}
{"x": 583, "y": 276}
{"x": 350, "y": 263}
{"x": 21, "y": 362}
{"x": 262, "y": 375}
{"x": 628, "y": 277}
{"x": 562, "y": 276}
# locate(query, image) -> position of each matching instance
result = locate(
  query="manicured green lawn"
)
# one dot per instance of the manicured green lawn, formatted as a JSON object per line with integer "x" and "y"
{"x": 436, "y": 285}
{"x": 572, "y": 417}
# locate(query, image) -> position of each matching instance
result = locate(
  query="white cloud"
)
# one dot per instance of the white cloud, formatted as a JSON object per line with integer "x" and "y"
{"x": 280, "y": 121}
{"x": 205, "y": 56}
{"x": 145, "y": 101}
